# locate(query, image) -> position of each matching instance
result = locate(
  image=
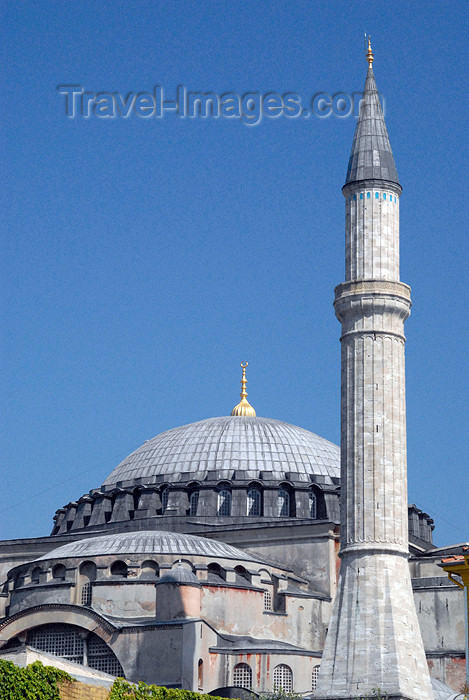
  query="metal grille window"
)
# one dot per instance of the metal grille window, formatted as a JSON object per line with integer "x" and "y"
{"x": 314, "y": 678}
{"x": 254, "y": 502}
{"x": 224, "y": 502}
{"x": 102, "y": 658}
{"x": 164, "y": 500}
{"x": 242, "y": 676}
{"x": 283, "y": 503}
{"x": 268, "y": 600}
{"x": 60, "y": 640}
{"x": 71, "y": 642}
{"x": 283, "y": 678}
{"x": 193, "y": 503}
{"x": 86, "y": 594}
{"x": 313, "y": 505}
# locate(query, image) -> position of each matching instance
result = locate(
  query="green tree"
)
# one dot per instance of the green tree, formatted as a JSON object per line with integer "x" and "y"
{"x": 34, "y": 682}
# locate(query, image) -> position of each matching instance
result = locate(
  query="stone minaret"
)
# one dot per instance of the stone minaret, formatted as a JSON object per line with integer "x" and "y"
{"x": 374, "y": 638}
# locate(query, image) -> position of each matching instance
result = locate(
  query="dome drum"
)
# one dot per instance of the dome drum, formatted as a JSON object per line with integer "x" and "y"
{"x": 151, "y": 503}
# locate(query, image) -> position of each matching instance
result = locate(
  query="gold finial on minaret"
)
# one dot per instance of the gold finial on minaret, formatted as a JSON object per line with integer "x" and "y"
{"x": 244, "y": 408}
{"x": 369, "y": 53}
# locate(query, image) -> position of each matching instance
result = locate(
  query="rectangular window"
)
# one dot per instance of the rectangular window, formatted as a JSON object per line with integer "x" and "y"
{"x": 268, "y": 601}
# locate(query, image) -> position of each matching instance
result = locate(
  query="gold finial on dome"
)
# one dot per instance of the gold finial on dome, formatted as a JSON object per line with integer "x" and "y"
{"x": 244, "y": 408}
{"x": 369, "y": 53}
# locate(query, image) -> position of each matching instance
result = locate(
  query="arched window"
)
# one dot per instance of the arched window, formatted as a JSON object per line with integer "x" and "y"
{"x": 242, "y": 676}
{"x": 119, "y": 568}
{"x": 242, "y": 575}
{"x": 254, "y": 502}
{"x": 193, "y": 502}
{"x": 283, "y": 678}
{"x": 283, "y": 503}
{"x": 313, "y": 505}
{"x": 314, "y": 678}
{"x": 88, "y": 570}
{"x": 58, "y": 572}
{"x": 87, "y": 576}
{"x": 224, "y": 502}
{"x": 19, "y": 580}
{"x": 164, "y": 499}
{"x": 149, "y": 569}
{"x": 35, "y": 574}
{"x": 200, "y": 674}
{"x": 215, "y": 573}
{"x": 75, "y": 644}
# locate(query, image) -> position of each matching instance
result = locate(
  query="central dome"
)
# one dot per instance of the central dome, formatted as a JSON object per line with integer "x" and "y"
{"x": 227, "y": 445}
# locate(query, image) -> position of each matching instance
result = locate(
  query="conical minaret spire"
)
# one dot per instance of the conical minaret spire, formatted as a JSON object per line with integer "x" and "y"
{"x": 371, "y": 155}
{"x": 374, "y": 638}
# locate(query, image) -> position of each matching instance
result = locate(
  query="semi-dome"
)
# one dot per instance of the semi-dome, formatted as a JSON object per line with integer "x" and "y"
{"x": 147, "y": 542}
{"x": 229, "y": 444}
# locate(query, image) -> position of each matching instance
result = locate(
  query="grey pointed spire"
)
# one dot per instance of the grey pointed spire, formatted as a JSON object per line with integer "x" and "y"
{"x": 371, "y": 156}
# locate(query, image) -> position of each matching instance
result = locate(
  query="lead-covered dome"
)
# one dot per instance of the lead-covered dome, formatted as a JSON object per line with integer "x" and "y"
{"x": 226, "y": 445}
{"x": 151, "y": 542}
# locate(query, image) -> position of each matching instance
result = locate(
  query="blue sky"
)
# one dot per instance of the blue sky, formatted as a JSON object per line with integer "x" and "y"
{"x": 143, "y": 259}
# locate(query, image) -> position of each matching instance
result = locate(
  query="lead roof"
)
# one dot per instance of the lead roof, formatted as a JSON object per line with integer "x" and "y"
{"x": 229, "y": 444}
{"x": 371, "y": 156}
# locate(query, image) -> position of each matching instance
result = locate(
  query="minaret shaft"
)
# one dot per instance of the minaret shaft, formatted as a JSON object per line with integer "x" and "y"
{"x": 374, "y": 638}
{"x": 372, "y": 307}
{"x": 367, "y": 257}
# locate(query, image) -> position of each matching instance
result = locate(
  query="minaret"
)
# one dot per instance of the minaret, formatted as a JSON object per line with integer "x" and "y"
{"x": 374, "y": 638}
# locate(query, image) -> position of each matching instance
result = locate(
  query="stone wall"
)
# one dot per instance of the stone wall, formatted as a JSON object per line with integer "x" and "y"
{"x": 82, "y": 691}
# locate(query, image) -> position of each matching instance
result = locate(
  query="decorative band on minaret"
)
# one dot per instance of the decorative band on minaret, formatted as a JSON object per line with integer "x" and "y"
{"x": 374, "y": 639}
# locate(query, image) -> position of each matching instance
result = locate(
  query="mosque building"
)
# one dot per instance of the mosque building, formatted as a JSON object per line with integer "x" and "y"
{"x": 209, "y": 558}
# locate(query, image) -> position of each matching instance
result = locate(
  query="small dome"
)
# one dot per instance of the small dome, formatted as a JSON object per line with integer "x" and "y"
{"x": 180, "y": 575}
{"x": 148, "y": 542}
{"x": 228, "y": 444}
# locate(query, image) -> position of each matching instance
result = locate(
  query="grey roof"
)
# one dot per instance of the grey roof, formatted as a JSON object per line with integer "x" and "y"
{"x": 151, "y": 542}
{"x": 371, "y": 156}
{"x": 180, "y": 574}
{"x": 244, "y": 644}
{"x": 228, "y": 444}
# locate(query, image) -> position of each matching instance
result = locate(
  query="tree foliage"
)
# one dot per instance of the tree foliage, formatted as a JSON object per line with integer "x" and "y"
{"x": 33, "y": 682}
{"x": 122, "y": 690}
